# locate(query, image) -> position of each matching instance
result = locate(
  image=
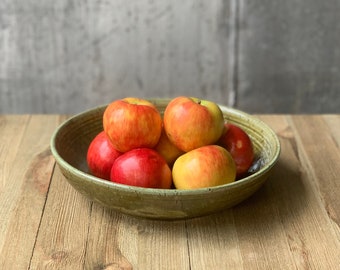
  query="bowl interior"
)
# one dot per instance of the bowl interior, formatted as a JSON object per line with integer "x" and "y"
{"x": 70, "y": 142}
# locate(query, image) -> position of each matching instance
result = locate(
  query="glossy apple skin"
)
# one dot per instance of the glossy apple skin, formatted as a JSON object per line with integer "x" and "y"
{"x": 239, "y": 144}
{"x": 142, "y": 167}
{"x": 167, "y": 149}
{"x": 206, "y": 166}
{"x": 191, "y": 123}
{"x": 132, "y": 123}
{"x": 100, "y": 156}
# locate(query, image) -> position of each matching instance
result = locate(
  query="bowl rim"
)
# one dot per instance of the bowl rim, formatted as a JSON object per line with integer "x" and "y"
{"x": 165, "y": 192}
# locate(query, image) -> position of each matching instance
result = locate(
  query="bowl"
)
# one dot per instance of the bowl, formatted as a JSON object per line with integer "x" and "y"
{"x": 71, "y": 139}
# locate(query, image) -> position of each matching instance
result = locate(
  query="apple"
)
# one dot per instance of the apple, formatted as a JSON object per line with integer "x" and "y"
{"x": 206, "y": 166}
{"x": 191, "y": 123}
{"x": 239, "y": 144}
{"x": 100, "y": 156}
{"x": 142, "y": 167}
{"x": 167, "y": 149}
{"x": 132, "y": 123}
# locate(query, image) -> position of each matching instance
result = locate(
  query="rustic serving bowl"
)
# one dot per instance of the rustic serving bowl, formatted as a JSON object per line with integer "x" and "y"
{"x": 69, "y": 146}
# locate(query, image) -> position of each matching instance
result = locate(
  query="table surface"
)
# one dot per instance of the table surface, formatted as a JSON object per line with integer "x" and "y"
{"x": 292, "y": 222}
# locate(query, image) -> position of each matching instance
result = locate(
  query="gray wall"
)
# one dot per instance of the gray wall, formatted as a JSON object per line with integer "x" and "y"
{"x": 259, "y": 56}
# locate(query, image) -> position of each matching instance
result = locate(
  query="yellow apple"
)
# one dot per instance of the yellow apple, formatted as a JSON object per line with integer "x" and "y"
{"x": 206, "y": 166}
{"x": 191, "y": 123}
{"x": 167, "y": 149}
{"x": 132, "y": 123}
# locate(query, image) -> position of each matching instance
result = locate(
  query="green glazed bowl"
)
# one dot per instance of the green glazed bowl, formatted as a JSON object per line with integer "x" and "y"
{"x": 69, "y": 146}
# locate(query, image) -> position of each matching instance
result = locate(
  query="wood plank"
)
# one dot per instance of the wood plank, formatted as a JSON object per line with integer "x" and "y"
{"x": 123, "y": 242}
{"x": 164, "y": 244}
{"x": 62, "y": 237}
{"x": 12, "y": 130}
{"x": 333, "y": 122}
{"x": 299, "y": 200}
{"x": 102, "y": 250}
{"x": 65, "y": 58}
{"x": 323, "y": 159}
{"x": 26, "y": 172}
{"x": 213, "y": 242}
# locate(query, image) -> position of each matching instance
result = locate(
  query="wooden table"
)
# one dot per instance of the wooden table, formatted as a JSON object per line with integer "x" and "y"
{"x": 292, "y": 222}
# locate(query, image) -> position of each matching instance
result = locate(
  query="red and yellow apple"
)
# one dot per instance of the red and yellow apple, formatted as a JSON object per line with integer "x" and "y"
{"x": 238, "y": 143}
{"x": 100, "y": 156}
{"x": 206, "y": 166}
{"x": 132, "y": 123}
{"x": 167, "y": 149}
{"x": 142, "y": 167}
{"x": 191, "y": 123}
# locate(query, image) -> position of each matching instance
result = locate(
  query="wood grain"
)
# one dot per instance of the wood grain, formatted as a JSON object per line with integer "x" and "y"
{"x": 323, "y": 157}
{"x": 302, "y": 201}
{"x": 26, "y": 170}
{"x": 164, "y": 244}
{"x": 62, "y": 238}
{"x": 211, "y": 239}
{"x": 292, "y": 222}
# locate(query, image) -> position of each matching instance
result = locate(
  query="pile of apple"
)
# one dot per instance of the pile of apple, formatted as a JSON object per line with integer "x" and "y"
{"x": 190, "y": 146}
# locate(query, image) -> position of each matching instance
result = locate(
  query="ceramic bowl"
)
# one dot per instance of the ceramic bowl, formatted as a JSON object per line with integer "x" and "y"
{"x": 69, "y": 146}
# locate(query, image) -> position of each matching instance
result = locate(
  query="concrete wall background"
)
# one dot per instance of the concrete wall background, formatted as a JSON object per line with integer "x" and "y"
{"x": 259, "y": 56}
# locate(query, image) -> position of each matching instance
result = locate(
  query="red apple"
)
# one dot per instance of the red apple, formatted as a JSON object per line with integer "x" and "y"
{"x": 132, "y": 123}
{"x": 142, "y": 167}
{"x": 191, "y": 123}
{"x": 238, "y": 143}
{"x": 206, "y": 166}
{"x": 167, "y": 149}
{"x": 100, "y": 156}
